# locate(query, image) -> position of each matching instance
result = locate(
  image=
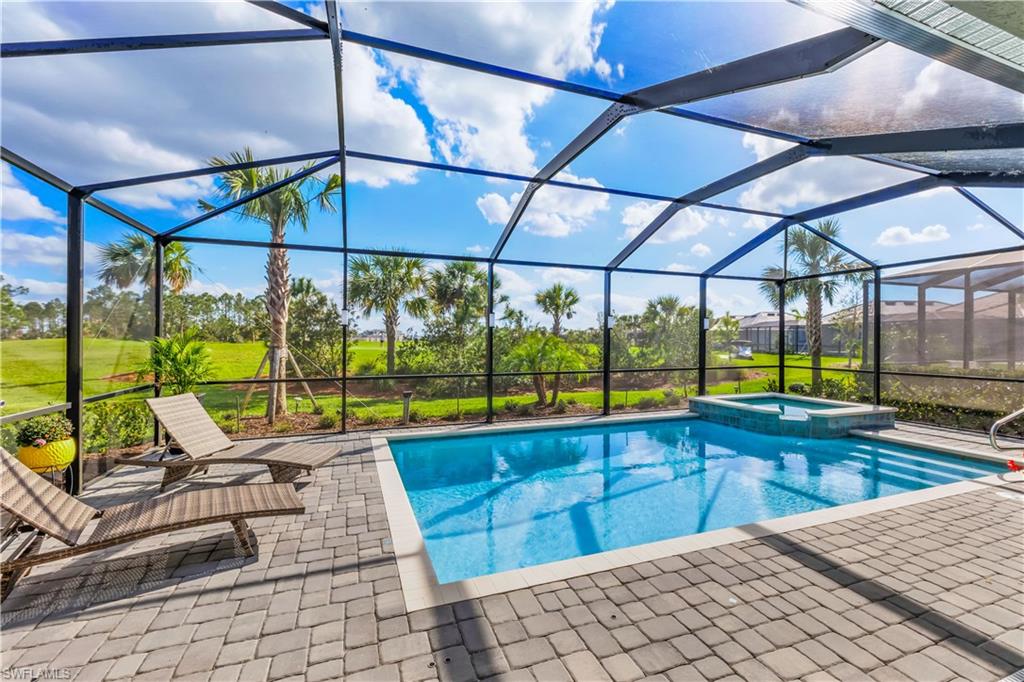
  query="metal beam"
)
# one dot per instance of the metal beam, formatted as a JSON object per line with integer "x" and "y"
{"x": 263, "y": 191}
{"x": 810, "y": 57}
{"x": 73, "y": 351}
{"x": 1006, "y": 136}
{"x": 880, "y": 21}
{"x": 206, "y": 170}
{"x": 741, "y": 177}
{"x": 995, "y": 215}
{"x": 291, "y": 14}
{"x": 838, "y": 244}
{"x": 164, "y": 42}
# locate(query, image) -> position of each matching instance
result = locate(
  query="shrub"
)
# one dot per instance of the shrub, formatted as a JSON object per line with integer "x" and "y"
{"x": 282, "y": 427}
{"x": 39, "y": 431}
{"x": 525, "y": 410}
{"x": 415, "y": 416}
{"x": 571, "y": 401}
{"x": 369, "y": 418}
{"x": 647, "y": 403}
{"x": 116, "y": 424}
{"x": 771, "y": 386}
{"x": 672, "y": 398}
{"x": 327, "y": 421}
{"x": 318, "y": 409}
{"x": 511, "y": 405}
{"x": 561, "y": 407}
{"x": 798, "y": 388}
{"x": 181, "y": 361}
{"x": 619, "y": 406}
{"x": 228, "y": 425}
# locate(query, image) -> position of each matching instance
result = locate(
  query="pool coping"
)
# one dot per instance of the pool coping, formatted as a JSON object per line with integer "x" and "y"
{"x": 421, "y": 588}
{"x": 842, "y": 408}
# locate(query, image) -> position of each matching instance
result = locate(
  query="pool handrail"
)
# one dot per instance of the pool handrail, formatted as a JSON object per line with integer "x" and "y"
{"x": 992, "y": 433}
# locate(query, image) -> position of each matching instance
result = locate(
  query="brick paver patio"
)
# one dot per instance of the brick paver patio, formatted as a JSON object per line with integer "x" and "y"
{"x": 927, "y": 592}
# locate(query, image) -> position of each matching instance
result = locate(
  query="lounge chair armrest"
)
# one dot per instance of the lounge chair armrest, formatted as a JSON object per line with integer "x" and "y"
{"x": 165, "y": 463}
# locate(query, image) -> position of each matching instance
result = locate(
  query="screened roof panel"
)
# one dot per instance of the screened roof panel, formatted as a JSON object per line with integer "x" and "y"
{"x": 621, "y": 46}
{"x": 890, "y": 89}
{"x": 692, "y": 240}
{"x": 323, "y": 223}
{"x": 813, "y": 182}
{"x": 1008, "y": 201}
{"x": 63, "y": 19}
{"x": 930, "y": 224}
{"x": 973, "y": 161}
{"x": 764, "y": 261}
{"x": 427, "y": 211}
{"x": 564, "y": 225}
{"x": 97, "y": 117}
{"x": 665, "y": 155}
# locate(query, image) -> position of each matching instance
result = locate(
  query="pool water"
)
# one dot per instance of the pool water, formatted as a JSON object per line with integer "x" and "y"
{"x": 787, "y": 405}
{"x": 502, "y": 501}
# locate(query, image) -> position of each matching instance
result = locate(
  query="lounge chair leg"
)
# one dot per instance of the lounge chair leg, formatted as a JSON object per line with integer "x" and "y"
{"x": 242, "y": 535}
{"x": 284, "y": 474}
{"x": 172, "y": 474}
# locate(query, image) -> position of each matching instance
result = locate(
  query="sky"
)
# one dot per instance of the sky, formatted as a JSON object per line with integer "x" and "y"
{"x": 90, "y": 118}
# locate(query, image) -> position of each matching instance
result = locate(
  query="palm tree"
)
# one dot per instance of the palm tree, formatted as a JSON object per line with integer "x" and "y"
{"x": 558, "y": 301}
{"x": 387, "y": 285}
{"x": 809, "y": 254}
{"x": 130, "y": 260}
{"x": 277, "y": 210}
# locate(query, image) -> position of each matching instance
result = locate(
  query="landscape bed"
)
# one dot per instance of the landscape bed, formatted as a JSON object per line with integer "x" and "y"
{"x": 485, "y": 506}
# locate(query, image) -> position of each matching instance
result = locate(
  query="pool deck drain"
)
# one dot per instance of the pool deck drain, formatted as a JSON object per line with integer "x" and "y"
{"x": 927, "y": 591}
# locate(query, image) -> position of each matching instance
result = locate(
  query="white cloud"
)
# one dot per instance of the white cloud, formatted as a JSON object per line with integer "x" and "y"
{"x": 476, "y": 248}
{"x": 568, "y": 275}
{"x": 978, "y": 226}
{"x": 680, "y": 267}
{"x": 603, "y": 69}
{"x": 553, "y": 211}
{"x": 512, "y": 282}
{"x": 700, "y": 250}
{"x": 731, "y": 303}
{"x": 20, "y": 204}
{"x": 927, "y": 84}
{"x": 621, "y": 70}
{"x": 898, "y": 235}
{"x": 197, "y": 286}
{"x": 21, "y": 248}
{"x": 688, "y": 222}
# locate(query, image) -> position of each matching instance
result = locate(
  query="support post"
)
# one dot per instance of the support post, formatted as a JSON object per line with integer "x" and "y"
{"x": 73, "y": 346}
{"x": 606, "y": 374}
{"x": 922, "y": 314}
{"x": 1011, "y": 330}
{"x": 968, "y": 358}
{"x": 782, "y": 336}
{"x": 158, "y": 318}
{"x": 702, "y": 338}
{"x": 490, "y": 342}
{"x": 344, "y": 342}
{"x": 864, "y": 326}
{"x": 876, "y": 351}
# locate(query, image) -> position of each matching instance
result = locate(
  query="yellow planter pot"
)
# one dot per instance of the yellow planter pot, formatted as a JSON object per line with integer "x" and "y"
{"x": 55, "y": 456}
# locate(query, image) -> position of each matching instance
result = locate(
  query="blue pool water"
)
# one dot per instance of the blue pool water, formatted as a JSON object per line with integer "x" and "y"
{"x": 787, "y": 404}
{"x": 496, "y": 502}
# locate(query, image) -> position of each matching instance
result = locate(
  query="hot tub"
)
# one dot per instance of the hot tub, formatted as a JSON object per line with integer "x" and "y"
{"x": 792, "y": 415}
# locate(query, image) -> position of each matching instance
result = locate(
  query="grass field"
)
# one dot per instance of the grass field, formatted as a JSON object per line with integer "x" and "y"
{"x": 32, "y": 375}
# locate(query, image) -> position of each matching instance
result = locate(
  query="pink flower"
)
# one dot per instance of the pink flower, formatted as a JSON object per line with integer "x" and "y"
{"x": 39, "y": 442}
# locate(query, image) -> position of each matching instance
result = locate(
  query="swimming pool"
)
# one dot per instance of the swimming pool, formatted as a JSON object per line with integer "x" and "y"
{"x": 500, "y": 501}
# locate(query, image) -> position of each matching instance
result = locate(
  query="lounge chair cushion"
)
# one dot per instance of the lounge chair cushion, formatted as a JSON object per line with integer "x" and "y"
{"x": 194, "y": 508}
{"x": 39, "y": 503}
{"x": 189, "y": 424}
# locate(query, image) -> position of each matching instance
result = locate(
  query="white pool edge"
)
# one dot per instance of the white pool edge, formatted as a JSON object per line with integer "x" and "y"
{"x": 421, "y": 588}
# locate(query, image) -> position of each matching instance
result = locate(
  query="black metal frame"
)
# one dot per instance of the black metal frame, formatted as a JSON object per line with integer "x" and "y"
{"x": 803, "y": 59}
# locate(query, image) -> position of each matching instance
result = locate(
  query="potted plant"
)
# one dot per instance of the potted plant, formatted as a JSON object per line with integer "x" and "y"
{"x": 45, "y": 443}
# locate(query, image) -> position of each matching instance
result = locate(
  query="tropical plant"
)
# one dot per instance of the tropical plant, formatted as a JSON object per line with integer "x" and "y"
{"x": 48, "y": 428}
{"x": 725, "y": 330}
{"x": 538, "y": 353}
{"x": 810, "y": 255}
{"x": 387, "y": 285}
{"x": 132, "y": 259}
{"x": 178, "y": 363}
{"x": 277, "y": 210}
{"x": 559, "y": 301}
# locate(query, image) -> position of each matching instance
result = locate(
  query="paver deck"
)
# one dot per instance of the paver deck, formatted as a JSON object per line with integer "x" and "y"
{"x": 931, "y": 591}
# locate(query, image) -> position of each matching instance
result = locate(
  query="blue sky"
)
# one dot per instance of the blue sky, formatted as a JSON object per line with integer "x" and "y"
{"x": 98, "y": 117}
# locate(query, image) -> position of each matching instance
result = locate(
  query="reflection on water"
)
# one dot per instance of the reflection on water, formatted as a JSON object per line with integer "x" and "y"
{"x": 496, "y": 502}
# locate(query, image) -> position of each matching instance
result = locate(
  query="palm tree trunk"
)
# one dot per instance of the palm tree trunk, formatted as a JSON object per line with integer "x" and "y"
{"x": 391, "y": 331}
{"x": 538, "y": 386}
{"x": 556, "y": 325}
{"x": 277, "y": 299}
{"x": 814, "y": 334}
{"x": 554, "y": 390}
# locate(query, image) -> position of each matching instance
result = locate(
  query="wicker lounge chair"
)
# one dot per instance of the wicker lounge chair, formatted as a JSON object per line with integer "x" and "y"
{"x": 204, "y": 444}
{"x": 51, "y": 511}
